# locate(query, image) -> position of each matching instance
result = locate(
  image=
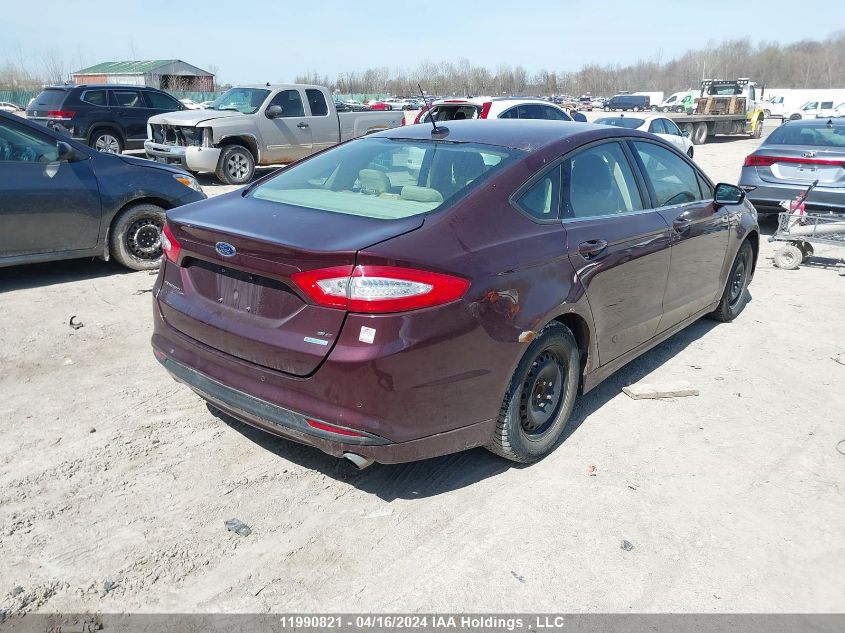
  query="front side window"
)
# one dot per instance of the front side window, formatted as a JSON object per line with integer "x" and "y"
{"x": 542, "y": 199}
{"x": 162, "y": 102}
{"x": 671, "y": 128}
{"x": 127, "y": 99}
{"x": 554, "y": 114}
{"x": 94, "y": 97}
{"x": 290, "y": 102}
{"x": 245, "y": 100}
{"x": 513, "y": 113}
{"x": 317, "y": 102}
{"x": 657, "y": 127}
{"x": 812, "y": 105}
{"x": 673, "y": 179}
{"x": 386, "y": 178}
{"x": 19, "y": 144}
{"x": 599, "y": 181}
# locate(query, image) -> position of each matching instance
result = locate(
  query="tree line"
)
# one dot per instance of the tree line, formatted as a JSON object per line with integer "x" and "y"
{"x": 804, "y": 64}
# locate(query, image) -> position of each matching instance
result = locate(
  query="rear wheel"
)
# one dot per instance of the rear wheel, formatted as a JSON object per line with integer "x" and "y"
{"x": 788, "y": 257}
{"x": 236, "y": 165}
{"x": 539, "y": 400}
{"x": 758, "y": 129}
{"x": 699, "y": 134}
{"x": 735, "y": 295}
{"x": 135, "y": 236}
{"x": 106, "y": 141}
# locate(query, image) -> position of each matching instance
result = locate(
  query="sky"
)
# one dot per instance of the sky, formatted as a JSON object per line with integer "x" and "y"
{"x": 254, "y": 41}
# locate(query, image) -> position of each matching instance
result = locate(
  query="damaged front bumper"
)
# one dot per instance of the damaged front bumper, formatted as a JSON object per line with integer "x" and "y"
{"x": 192, "y": 158}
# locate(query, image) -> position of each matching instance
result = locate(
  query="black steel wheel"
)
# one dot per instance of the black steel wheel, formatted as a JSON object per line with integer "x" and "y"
{"x": 135, "y": 236}
{"x": 735, "y": 295}
{"x": 539, "y": 400}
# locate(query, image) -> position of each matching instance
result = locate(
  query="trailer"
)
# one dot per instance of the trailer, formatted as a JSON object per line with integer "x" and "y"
{"x": 724, "y": 107}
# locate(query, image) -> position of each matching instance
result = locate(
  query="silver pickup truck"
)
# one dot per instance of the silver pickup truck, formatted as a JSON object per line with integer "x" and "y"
{"x": 257, "y": 125}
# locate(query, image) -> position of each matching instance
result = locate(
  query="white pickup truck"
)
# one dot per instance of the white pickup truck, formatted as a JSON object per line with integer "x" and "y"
{"x": 257, "y": 125}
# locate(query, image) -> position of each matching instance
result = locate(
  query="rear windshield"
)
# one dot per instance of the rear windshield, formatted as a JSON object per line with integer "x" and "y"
{"x": 49, "y": 97}
{"x": 629, "y": 122}
{"x": 808, "y": 135}
{"x": 386, "y": 178}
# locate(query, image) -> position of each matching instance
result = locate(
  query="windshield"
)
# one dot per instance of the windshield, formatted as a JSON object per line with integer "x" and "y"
{"x": 621, "y": 121}
{"x": 244, "y": 100}
{"x": 819, "y": 135}
{"x": 386, "y": 178}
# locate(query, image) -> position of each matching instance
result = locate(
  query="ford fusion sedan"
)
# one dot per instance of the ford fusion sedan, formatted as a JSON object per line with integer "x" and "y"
{"x": 60, "y": 199}
{"x": 388, "y": 309}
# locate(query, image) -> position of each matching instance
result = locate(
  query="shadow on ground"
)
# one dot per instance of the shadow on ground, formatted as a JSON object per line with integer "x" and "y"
{"x": 60, "y": 272}
{"x": 439, "y": 475}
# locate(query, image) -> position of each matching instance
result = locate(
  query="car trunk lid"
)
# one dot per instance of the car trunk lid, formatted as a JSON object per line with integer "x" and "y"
{"x": 802, "y": 165}
{"x": 246, "y": 304}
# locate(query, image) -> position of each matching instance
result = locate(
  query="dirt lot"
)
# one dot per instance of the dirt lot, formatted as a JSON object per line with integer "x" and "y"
{"x": 115, "y": 481}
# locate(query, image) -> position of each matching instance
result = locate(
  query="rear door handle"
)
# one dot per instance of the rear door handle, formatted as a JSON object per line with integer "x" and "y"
{"x": 592, "y": 248}
{"x": 302, "y": 125}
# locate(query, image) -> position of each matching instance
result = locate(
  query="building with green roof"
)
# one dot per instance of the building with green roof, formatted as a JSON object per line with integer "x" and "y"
{"x": 166, "y": 74}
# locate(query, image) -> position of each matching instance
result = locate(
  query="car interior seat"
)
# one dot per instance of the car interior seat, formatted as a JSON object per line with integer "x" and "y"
{"x": 373, "y": 182}
{"x": 592, "y": 191}
{"x": 453, "y": 170}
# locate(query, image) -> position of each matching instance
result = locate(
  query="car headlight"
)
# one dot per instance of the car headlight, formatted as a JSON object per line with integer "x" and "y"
{"x": 188, "y": 181}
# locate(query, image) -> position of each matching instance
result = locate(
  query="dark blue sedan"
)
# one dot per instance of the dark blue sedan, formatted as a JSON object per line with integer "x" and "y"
{"x": 60, "y": 199}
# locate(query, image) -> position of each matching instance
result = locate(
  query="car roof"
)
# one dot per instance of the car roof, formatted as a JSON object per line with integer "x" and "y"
{"x": 528, "y": 135}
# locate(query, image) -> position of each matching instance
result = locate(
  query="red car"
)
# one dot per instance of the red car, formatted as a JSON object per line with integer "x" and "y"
{"x": 380, "y": 105}
{"x": 422, "y": 291}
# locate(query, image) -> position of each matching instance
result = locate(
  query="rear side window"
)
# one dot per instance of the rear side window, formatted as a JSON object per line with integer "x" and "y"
{"x": 317, "y": 102}
{"x": 50, "y": 98}
{"x": 553, "y": 114}
{"x": 162, "y": 102}
{"x": 599, "y": 181}
{"x": 127, "y": 98}
{"x": 542, "y": 199}
{"x": 657, "y": 127}
{"x": 94, "y": 97}
{"x": 386, "y": 178}
{"x": 673, "y": 179}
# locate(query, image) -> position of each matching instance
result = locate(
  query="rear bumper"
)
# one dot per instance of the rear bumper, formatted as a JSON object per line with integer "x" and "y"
{"x": 293, "y": 426}
{"x": 201, "y": 159}
{"x": 766, "y": 198}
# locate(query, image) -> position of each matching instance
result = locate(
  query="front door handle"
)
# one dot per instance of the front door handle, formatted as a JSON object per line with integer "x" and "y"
{"x": 592, "y": 248}
{"x": 681, "y": 225}
{"x": 302, "y": 125}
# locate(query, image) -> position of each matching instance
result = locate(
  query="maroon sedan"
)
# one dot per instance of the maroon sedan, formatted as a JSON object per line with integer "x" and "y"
{"x": 419, "y": 292}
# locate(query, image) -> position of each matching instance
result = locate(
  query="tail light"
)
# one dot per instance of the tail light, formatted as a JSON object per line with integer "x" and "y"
{"x": 62, "y": 115}
{"x": 403, "y": 119}
{"x": 379, "y": 289}
{"x": 485, "y": 109}
{"x": 755, "y": 160}
{"x": 170, "y": 245}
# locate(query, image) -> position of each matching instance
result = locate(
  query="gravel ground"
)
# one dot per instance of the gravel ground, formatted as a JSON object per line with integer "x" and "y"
{"x": 115, "y": 481}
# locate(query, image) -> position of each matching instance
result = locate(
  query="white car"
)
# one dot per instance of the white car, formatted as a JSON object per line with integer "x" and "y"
{"x": 813, "y": 109}
{"x": 492, "y": 108}
{"x": 6, "y": 106}
{"x": 662, "y": 126}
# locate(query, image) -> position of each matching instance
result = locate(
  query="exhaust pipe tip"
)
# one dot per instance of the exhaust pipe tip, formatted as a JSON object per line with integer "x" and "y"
{"x": 358, "y": 461}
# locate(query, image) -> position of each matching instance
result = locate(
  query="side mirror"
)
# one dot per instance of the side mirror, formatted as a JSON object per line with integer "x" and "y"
{"x": 66, "y": 152}
{"x": 728, "y": 194}
{"x": 685, "y": 133}
{"x": 274, "y": 112}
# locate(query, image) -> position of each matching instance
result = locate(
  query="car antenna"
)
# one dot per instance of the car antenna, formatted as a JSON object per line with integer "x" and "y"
{"x": 436, "y": 132}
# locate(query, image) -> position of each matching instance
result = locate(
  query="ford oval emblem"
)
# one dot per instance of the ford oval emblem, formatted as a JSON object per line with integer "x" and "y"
{"x": 225, "y": 249}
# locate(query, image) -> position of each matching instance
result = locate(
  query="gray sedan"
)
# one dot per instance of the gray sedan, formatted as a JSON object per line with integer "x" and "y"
{"x": 793, "y": 156}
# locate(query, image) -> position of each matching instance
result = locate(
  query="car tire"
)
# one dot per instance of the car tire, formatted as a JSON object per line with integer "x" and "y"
{"x": 699, "y": 134}
{"x": 135, "y": 236}
{"x": 236, "y": 165}
{"x": 758, "y": 130}
{"x": 735, "y": 295}
{"x": 547, "y": 376}
{"x": 654, "y": 108}
{"x": 106, "y": 141}
{"x": 788, "y": 257}
{"x": 767, "y": 113}
{"x": 795, "y": 117}
{"x": 680, "y": 109}
{"x": 606, "y": 109}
